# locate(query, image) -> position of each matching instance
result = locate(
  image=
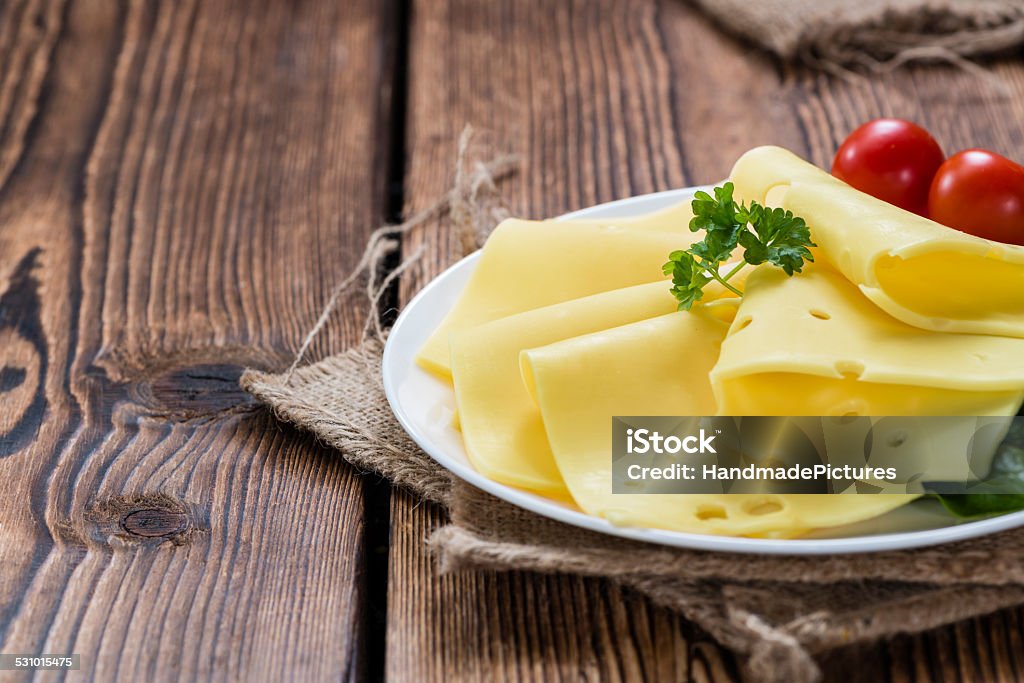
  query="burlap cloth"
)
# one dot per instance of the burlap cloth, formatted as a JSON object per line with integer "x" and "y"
{"x": 874, "y": 33}
{"x": 777, "y": 611}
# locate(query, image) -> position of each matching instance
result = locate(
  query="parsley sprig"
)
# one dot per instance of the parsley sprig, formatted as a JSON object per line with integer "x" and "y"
{"x": 767, "y": 235}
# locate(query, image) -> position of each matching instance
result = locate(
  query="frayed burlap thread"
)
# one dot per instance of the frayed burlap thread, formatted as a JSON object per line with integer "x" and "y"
{"x": 778, "y": 612}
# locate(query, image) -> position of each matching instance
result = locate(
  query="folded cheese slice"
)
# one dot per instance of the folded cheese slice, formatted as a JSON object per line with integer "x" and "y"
{"x": 530, "y": 264}
{"x": 659, "y": 367}
{"x": 918, "y": 271}
{"x": 501, "y": 426}
{"x": 812, "y": 344}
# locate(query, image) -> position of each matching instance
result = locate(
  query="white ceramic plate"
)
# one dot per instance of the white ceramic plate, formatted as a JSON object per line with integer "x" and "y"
{"x": 424, "y": 405}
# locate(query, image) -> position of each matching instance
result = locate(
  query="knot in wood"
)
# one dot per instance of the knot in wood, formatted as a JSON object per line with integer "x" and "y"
{"x": 154, "y": 522}
{"x": 193, "y": 391}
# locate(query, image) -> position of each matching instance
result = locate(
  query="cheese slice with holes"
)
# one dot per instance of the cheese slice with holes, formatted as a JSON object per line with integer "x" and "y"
{"x": 812, "y": 344}
{"x": 501, "y": 426}
{"x": 530, "y": 264}
{"x": 918, "y": 271}
{"x": 659, "y": 367}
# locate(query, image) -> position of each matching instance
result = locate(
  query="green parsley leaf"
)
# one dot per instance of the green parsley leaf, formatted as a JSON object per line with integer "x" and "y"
{"x": 783, "y": 239}
{"x": 766, "y": 235}
{"x": 719, "y": 218}
{"x": 688, "y": 279}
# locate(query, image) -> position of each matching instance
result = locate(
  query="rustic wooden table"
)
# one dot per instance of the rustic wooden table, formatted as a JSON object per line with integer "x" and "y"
{"x": 181, "y": 183}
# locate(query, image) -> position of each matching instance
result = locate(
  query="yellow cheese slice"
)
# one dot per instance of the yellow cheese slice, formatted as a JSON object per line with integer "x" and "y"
{"x": 918, "y": 271}
{"x": 764, "y": 169}
{"x": 501, "y": 426}
{"x": 530, "y": 264}
{"x": 673, "y": 218}
{"x": 659, "y": 367}
{"x": 812, "y": 344}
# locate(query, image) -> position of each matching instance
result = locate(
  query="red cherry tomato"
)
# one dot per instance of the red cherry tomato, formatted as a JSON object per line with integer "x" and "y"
{"x": 891, "y": 159}
{"x": 982, "y": 193}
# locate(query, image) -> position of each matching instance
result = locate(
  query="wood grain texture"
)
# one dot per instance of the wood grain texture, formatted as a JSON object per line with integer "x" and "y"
{"x": 516, "y": 626}
{"x": 607, "y": 99}
{"x": 181, "y": 183}
{"x": 176, "y": 201}
{"x": 596, "y": 96}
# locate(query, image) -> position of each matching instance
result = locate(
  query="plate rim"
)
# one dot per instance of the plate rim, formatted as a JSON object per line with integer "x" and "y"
{"x": 732, "y": 544}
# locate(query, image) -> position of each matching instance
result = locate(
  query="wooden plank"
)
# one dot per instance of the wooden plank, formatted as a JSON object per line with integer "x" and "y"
{"x": 515, "y": 626}
{"x": 608, "y": 99}
{"x": 181, "y": 183}
{"x": 603, "y": 100}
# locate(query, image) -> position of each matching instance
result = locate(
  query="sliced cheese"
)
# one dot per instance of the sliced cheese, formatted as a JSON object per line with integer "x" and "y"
{"x": 812, "y": 344}
{"x": 659, "y": 367}
{"x": 674, "y": 219}
{"x": 501, "y": 426}
{"x": 923, "y": 273}
{"x": 530, "y": 264}
{"x": 760, "y": 174}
